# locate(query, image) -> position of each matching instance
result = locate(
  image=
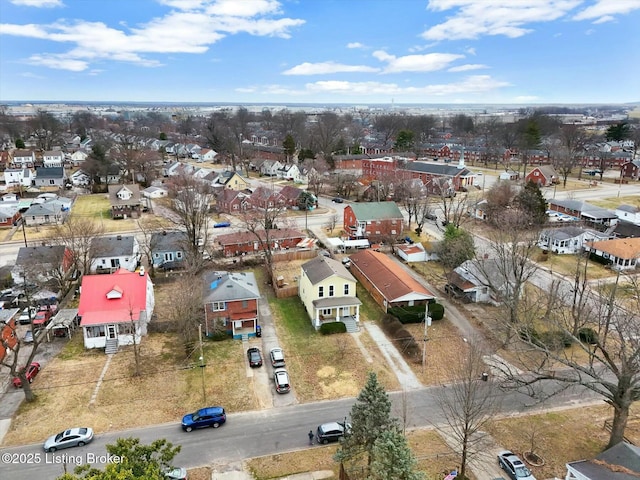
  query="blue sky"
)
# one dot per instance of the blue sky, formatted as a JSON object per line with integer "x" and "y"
{"x": 321, "y": 51}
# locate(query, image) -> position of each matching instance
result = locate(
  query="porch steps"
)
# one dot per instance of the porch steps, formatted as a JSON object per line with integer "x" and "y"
{"x": 111, "y": 346}
{"x": 245, "y": 337}
{"x": 350, "y": 323}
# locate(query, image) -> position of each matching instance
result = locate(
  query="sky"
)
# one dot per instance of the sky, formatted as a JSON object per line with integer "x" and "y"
{"x": 321, "y": 51}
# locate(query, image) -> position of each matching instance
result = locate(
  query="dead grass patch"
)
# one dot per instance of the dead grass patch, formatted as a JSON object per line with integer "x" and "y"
{"x": 200, "y": 473}
{"x": 433, "y": 455}
{"x": 289, "y": 270}
{"x": 281, "y": 465}
{"x": 614, "y": 202}
{"x": 566, "y": 265}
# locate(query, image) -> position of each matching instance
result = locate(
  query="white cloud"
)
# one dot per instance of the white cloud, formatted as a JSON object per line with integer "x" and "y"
{"x": 476, "y": 18}
{"x": 39, "y": 3}
{"x": 192, "y": 27}
{"x": 355, "y": 45}
{"x": 429, "y": 62}
{"x": 324, "y": 68}
{"x": 470, "y": 50}
{"x": 32, "y": 75}
{"x": 607, "y": 8}
{"x": 605, "y": 19}
{"x": 467, "y": 67}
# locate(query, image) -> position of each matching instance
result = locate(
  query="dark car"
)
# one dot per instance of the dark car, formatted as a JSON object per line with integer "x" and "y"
{"x": 255, "y": 357}
{"x": 431, "y": 216}
{"x": 331, "y": 432}
{"x": 205, "y": 417}
{"x": 222, "y": 225}
{"x": 337, "y": 200}
{"x": 515, "y": 468}
{"x": 32, "y": 371}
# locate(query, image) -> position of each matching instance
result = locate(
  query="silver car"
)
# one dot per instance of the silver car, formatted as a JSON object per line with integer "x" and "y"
{"x": 74, "y": 437}
{"x": 515, "y": 468}
{"x": 277, "y": 357}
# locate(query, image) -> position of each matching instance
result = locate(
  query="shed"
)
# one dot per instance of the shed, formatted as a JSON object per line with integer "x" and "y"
{"x": 63, "y": 324}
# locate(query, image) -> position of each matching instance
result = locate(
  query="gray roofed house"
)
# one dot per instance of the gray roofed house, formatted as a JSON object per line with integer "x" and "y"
{"x": 584, "y": 211}
{"x": 620, "y": 462}
{"x": 125, "y": 201}
{"x": 168, "y": 249}
{"x": 231, "y": 303}
{"x": 471, "y": 282}
{"x": 111, "y": 253}
{"x": 328, "y": 291}
{"x": 50, "y": 177}
{"x": 51, "y": 211}
{"x": 628, "y": 213}
{"x": 44, "y": 262}
{"x": 568, "y": 239}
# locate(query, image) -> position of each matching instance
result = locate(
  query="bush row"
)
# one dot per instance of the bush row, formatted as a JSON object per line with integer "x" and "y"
{"x": 332, "y": 327}
{"x": 415, "y": 314}
{"x": 402, "y": 337}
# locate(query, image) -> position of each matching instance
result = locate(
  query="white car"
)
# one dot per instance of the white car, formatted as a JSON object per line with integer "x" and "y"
{"x": 74, "y": 437}
{"x": 281, "y": 379}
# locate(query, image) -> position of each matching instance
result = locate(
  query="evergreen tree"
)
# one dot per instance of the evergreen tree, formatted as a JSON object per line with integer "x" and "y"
{"x": 289, "y": 146}
{"x": 532, "y": 203}
{"x": 456, "y": 247}
{"x": 617, "y": 132}
{"x": 404, "y": 141}
{"x": 20, "y": 143}
{"x": 370, "y": 417}
{"x": 392, "y": 458}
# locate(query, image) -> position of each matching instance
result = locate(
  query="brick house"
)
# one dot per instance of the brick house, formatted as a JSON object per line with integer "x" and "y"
{"x": 630, "y": 169}
{"x": 232, "y": 201}
{"x": 290, "y": 194}
{"x": 543, "y": 176}
{"x": 231, "y": 303}
{"x": 373, "y": 220}
{"x": 8, "y": 337}
{"x": 264, "y": 198}
{"x": 234, "y": 244}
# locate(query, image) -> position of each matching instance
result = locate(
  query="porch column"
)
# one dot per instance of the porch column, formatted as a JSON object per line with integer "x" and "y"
{"x": 337, "y": 314}
{"x": 357, "y": 313}
{"x": 317, "y": 319}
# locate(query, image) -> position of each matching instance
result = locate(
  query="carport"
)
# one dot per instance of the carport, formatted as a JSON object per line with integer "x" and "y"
{"x": 63, "y": 324}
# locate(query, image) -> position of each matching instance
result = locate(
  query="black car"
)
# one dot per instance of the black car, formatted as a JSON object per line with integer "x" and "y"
{"x": 255, "y": 357}
{"x": 338, "y": 200}
{"x": 331, "y": 432}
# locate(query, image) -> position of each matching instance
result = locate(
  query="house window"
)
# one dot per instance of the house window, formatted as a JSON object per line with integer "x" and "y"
{"x": 326, "y": 312}
{"x": 178, "y": 255}
{"x": 331, "y": 290}
{"x": 245, "y": 304}
{"x": 168, "y": 257}
{"x": 115, "y": 262}
{"x": 217, "y": 306}
{"x": 320, "y": 291}
{"x": 346, "y": 289}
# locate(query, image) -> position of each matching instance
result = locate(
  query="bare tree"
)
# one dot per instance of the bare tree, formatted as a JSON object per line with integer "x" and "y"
{"x": 46, "y": 128}
{"x": 77, "y": 234}
{"x": 263, "y": 223}
{"x": 333, "y": 222}
{"x": 186, "y": 311}
{"x": 317, "y": 178}
{"x": 453, "y": 205}
{"x": 468, "y": 403}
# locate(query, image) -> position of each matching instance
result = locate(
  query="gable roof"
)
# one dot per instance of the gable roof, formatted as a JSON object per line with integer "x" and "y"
{"x": 439, "y": 169}
{"x": 623, "y": 248}
{"x": 365, "y": 211}
{"x": 47, "y": 255}
{"x": 49, "y": 172}
{"x": 388, "y": 277}
{"x": 134, "y": 188}
{"x": 585, "y": 209}
{"x": 99, "y": 304}
{"x": 230, "y": 286}
{"x": 168, "y": 241}
{"x": 246, "y": 237}
{"x": 622, "y": 229}
{"x": 547, "y": 170}
{"x": 620, "y": 462}
{"x": 570, "y": 231}
{"x": 321, "y": 268}
{"x": 116, "y": 246}
{"x": 290, "y": 192}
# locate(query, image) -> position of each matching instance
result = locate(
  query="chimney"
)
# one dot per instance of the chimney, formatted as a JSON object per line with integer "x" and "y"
{"x": 119, "y": 237}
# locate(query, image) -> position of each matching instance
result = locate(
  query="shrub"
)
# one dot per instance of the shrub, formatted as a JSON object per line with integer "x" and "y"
{"x": 414, "y": 314}
{"x": 588, "y": 335}
{"x": 391, "y": 324}
{"x": 436, "y": 311}
{"x": 554, "y": 339}
{"x": 333, "y": 327}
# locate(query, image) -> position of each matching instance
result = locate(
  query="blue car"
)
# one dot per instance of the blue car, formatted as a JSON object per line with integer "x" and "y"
{"x": 205, "y": 417}
{"x": 222, "y": 225}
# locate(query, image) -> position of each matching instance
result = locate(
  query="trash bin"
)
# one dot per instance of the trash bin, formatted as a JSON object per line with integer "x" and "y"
{"x": 485, "y": 376}
{"x": 258, "y": 331}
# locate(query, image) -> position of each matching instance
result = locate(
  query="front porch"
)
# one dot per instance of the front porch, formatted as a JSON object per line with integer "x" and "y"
{"x": 337, "y": 309}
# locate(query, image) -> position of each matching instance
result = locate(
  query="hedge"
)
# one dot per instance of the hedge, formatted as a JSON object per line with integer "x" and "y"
{"x": 332, "y": 327}
{"x": 436, "y": 311}
{"x": 415, "y": 313}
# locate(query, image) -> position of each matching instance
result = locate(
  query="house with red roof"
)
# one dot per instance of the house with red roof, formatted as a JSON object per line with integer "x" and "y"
{"x": 115, "y": 309}
{"x": 387, "y": 281}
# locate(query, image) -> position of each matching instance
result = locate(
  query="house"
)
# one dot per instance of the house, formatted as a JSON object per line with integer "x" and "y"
{"x": 470, "y": 281}
{"x": 630, "y": 169}
{"x": 115, "y": 309}
{"x": 457, "y": 177}
{"x": 52, "y": 158}
{"x": 125, "y": 201}
{"x": 24, "y": 158}
{"x": 231, "y": 180}
{"x": 290, "y": 194}
{"x": 620, "y": 253}
{"x": 42, "y": 264}
{"x": 113, "y": 253}
{"x": 47, "y": 211}
{"x": 510, "y": 175}
{"x": 231, "y": 303}
{"x": 621, "y": 229}
{"x": 387, "y": 281}
{"x": 373, "y": 220}
{"x": 242, "y": 243}
{"x": 112, "y": 176}
{"x": 80, "y": 179}
{"x": 207, "y": 155}
{"x": 415, "y": 252}
{"x": 628, "y": 213}
{"x": 168, "y": 249}
{"x": 328, "y": 292}
{"x": 50, "y": 177}
{"x": 478, "y": 210}
{"x": 593, "y": 216}
{"x": 265, "y": 198}
{"x": 543, "y": 176}
{"x": 232, "y": 201}
{"x": 620, "y": 462}
{"x": 270, "y": 168}
{"x": 19, "y": 177}
{"x": 155, "y": 192}
{"x": 8, "y": 337}
{"x": 78, "y": 157}
{"x": 9, "y": 214}
{"x": 289, "y": 171}
{"x": 568, "y": 239}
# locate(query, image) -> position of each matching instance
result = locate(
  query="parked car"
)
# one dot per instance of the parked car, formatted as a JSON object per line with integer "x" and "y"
{"x": 221, "y": 225}
{"x": 32, "y": 371}
{"x": 42, "y": 317}
{"x": 74, "y": 437}
{"x": 281, "y": 379}
{"x": 337, "y": 200}
{"x": 28, "y": 337}
{"x": 431, "y": 216}
{"x": 346, "y": 261}
{"x": 331, "y": 432}
{"x": 255, "y": 357}
{"x": 177, "y": 473}
{"x": 277, "y": 357}
{"x": 26, "y": 315}
{"x": 515, "y": 468}
{"x": 205, "y": 417}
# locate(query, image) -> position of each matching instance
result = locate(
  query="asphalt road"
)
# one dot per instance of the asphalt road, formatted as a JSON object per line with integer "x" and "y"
{"x": 257, "y": 433}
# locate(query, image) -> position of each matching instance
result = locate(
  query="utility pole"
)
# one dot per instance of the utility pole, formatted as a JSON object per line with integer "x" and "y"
{"x": 202, "y": 365}
{"x": 427, "y": 323}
